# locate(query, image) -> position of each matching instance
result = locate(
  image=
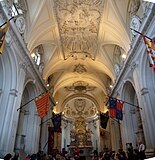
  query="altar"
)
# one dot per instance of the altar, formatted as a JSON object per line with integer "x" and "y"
{"x": 80, "y": 137}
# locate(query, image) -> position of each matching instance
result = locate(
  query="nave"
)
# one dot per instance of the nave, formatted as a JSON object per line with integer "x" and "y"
{"x": 77, "y": 79}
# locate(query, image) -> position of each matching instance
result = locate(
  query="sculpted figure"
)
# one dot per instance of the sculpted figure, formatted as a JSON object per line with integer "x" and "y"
{"x": 80, "y": 124}
{"x": 73, "y": 134}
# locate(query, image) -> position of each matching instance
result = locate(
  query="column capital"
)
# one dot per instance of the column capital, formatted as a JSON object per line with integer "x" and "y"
{"x": 144, "y": 91}
{"x": 23, "y": 66}
{"x": 13, "y": 92}
{"x": 134, "y": 65}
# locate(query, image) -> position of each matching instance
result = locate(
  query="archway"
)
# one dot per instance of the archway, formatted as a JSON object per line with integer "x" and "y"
{"x": 147, "y": 89}
{"x": 28, "y": 131}
{"x": 132, "y": 127}
{"x": 8, "y": 98}
{"x": 80, "y": 125}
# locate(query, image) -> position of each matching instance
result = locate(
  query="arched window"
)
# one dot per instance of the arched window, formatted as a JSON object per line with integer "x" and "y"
{"x": 119, "y": 57}
{"x": 37, "y": 54}
{"x": 17, "y": 7}
{"x": 133, "y": 7}
{"x": 15, "y": 10}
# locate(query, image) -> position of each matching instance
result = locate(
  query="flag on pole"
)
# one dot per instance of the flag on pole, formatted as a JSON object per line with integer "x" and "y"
{"x": 42, "y": 104}
{"x": 115, "y": 108}
{"x": 112, "y": 112}
{"x": 112, "y": 107}
{"x": 56, "y": 120}
{"x": 104, "y": 117}
{"x": 112, "y": 102}
{"x": 150, "y": 51}
{"x": 2, "y": 36}
{"x": 119, "y": 107}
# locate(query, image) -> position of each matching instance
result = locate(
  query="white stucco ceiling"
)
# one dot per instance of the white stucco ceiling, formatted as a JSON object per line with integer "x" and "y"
{"x": 101, "y": 28}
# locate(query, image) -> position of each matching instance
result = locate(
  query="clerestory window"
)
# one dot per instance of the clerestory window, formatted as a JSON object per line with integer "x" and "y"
{"x": 15, "y": 9}
{"x": 37, "y": 54}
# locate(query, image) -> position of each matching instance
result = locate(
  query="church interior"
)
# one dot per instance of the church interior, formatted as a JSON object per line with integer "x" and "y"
{"x": 77, "y": 74}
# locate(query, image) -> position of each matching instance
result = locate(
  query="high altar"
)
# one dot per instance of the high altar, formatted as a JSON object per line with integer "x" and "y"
{"x": 80, "y": 137}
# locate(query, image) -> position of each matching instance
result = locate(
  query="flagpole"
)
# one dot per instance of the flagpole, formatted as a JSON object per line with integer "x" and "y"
{"x": 45, "y": 121}
{"x": 115, "y": 120}
{"x": 45, "y": 145}
{"x": 6, "y": 22}
{"x": 133, "y": 105}
{"x": 33, "y": 99}
{"x": 141, "y": 33}
{"x": 29, "y": 101}
{"x": 126, "y": 102}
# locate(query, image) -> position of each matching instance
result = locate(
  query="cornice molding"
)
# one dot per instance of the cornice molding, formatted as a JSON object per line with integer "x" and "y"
{"x": 144, "y": 91}
{"x": 13, "y": 92}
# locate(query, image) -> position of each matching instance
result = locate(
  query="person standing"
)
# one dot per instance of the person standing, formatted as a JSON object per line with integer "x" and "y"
{"x": 16, "y": 156}
{"x": 141, "y": 150}
{"x": 76, "y": 153}
{"x": 129, "y": 151}
{"x": 8, "y": 156}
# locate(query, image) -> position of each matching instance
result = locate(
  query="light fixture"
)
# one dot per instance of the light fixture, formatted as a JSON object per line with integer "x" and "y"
{"x": 123, "y": 56}
{"x": 48, "y": 85}
{"x": 153, "y": 1}
{"x": 110, "y": 86}
{"x": 56, "y": 102}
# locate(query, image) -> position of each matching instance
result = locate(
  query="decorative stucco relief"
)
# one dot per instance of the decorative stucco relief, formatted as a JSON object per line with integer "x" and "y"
{"x": 80, "y": 69}
{"x": 133, "y": 7}
{"x": 78, "y": 22}
{"x": 80, "y": 87}
{"x": 80, "y": 107}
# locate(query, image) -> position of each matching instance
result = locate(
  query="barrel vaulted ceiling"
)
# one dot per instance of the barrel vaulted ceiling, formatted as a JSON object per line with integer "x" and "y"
{"x": 82, "y": 41}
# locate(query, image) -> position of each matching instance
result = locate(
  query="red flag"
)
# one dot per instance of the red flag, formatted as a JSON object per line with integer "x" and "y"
{"x": 2, "y": 36}
{"x": 117, "y": 112}
{"x": 149, "y": 43}
{"x": 42, "y": 104}
{"x": 112, "y": 112}
{"x": 119, "y": 105}
{"x": 151, "y": 51}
